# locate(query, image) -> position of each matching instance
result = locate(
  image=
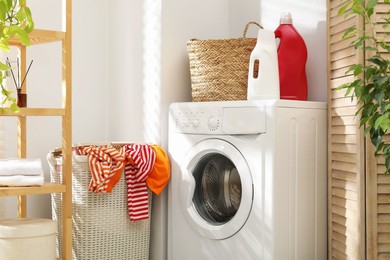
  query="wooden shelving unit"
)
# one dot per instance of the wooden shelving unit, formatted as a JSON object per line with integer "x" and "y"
{"x": 65, "y": 112}
{"x": 35, "y": 112}
{"x": 46, "y": 188}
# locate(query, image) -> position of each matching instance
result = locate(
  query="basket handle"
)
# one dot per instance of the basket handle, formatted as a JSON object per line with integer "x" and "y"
{"x": 247, "y": 27}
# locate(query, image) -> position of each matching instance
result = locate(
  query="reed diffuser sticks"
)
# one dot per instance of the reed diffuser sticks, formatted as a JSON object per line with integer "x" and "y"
{"x": 18, "y": 85}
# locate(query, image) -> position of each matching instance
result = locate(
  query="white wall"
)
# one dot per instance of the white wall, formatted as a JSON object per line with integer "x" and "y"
{"x": 125, "y": 66}
{"x": 240, "y": 13}
{"x": 91, "y": 88}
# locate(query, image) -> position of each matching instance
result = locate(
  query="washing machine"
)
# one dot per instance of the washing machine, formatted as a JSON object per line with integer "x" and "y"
{"x": 248, "y": 180}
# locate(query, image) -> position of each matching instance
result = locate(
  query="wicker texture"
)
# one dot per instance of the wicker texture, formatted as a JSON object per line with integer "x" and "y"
{"x": 101, "y": 225}
{"x": 27, "y": 239}
{"x": 219, "y": 68}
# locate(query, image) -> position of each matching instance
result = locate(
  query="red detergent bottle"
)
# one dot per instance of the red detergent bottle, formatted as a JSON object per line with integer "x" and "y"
{"x": 292, "y": 57}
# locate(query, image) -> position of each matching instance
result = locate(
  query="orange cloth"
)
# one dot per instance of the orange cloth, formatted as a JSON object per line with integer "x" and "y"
{"x": 161, "y": 173}
{"x": 106, "y": 164}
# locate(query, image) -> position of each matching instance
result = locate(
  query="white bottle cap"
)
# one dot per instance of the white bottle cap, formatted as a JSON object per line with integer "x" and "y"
{"x": 266, "y": 37}
{"x": 286, "y": 18}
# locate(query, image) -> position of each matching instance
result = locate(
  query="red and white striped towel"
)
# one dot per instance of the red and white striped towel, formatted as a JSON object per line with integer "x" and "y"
{"x": 140, "y": 162}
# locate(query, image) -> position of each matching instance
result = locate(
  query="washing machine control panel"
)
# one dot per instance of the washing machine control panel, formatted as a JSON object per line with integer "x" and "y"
{"x": 198, "y": 122}
{"x": 218, "y": 120}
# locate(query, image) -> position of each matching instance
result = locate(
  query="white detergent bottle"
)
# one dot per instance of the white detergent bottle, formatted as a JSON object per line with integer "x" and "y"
{"x": 263, "y": 76}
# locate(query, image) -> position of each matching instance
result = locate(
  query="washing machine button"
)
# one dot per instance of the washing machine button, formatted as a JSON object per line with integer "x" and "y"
{"x": 195, "y": 123}
{"x": 213, "y": 123}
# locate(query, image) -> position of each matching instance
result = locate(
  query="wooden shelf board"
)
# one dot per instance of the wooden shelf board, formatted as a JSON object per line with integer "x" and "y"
{"x": 45, "y": 189}
{"x": 34, "y": 112}
{"x": 41, "y": 36}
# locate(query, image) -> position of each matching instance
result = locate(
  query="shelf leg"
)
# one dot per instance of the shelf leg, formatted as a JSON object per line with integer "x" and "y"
{"x": 22, "y": 147}
{"x": 22, "y": 206}
{"x": 67, "y": 239}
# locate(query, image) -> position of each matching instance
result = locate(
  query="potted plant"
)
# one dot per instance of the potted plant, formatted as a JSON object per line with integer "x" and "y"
{"x": 371, "y": 86}
{"x": 15, "y": 21}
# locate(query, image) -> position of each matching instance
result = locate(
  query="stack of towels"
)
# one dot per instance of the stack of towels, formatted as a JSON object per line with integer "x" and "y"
{"x": 21, "y": 172}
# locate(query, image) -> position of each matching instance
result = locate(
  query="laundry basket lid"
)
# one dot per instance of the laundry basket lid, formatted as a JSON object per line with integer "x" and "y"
{"x": 26, "y": 227}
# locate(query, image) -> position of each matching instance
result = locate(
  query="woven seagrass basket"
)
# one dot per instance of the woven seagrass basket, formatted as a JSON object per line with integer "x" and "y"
{"x": 219, "y": 68}
{"x": 101, "y": 228}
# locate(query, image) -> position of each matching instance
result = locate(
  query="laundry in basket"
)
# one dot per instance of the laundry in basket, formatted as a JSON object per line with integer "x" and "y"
{"x": 100, "y": 222}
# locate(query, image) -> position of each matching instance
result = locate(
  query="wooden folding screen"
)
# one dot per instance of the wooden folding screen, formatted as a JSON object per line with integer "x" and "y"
{"x": 358, "y": 192}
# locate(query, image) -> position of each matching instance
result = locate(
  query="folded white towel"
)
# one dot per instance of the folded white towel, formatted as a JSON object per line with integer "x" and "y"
{"x": 9, "y": 167}
{"x": 21, "y": 180}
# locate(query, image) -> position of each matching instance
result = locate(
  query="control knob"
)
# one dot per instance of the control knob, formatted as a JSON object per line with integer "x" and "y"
{"x": 213, "y": 123}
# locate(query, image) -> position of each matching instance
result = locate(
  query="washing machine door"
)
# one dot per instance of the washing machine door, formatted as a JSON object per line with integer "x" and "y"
{"x": 216, "y": 191}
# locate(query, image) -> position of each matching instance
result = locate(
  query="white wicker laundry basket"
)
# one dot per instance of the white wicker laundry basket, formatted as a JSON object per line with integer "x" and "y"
{"x": 28, "y": 239}
{"x": 101, "y": 226}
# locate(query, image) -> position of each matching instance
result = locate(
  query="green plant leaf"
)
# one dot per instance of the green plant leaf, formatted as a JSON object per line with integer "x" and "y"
{"x": 348, "y": 92}
{"x": 349, "y": 32}
{"x": 377, "y": 60}
{"x": 24, "y": 14}
{"x": 387, "y": 163}
{"x": 359, "y": 42}
{"x": 343, "y": 9}
{"x": 8, "y": 4}
{"x": 382, "y": 80}
{"x": 369, "y": 12}
{"x": 382, "y": 122}
{"x": 23, "y": 37}
{"x": 370, "y": 48}
{"x": 30, "y": 22}
{"x": 358, "y": 9}
{"x": 367, "y": 130}
{"x": 4, "y": 91}
{"x": 3, "y": 11}
{"x": 386, "y": 149}
{"x": 370, "y": 6}
{"x": 4, "y": 66}
{"x": 385, "y": 46}
{"x": 379, "y": 97}
{"x": 386, "y": 107}
{"x": 14, "y": 108}
{"x": 363, "y": 120}
{"x": 10, "y": 31}
{"x": 369, "y": 71}
{"x": 357, "y": 69}
{"x": 376, "y": 138}
{"x": 345, "y": 85}
{"x": 4, "y": 45}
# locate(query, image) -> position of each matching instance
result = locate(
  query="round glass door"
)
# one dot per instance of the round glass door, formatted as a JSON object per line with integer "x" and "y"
{"x": 216, "y": 190}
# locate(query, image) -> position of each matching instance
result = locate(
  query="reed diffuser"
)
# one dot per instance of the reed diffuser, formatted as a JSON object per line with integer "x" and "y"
{"x": 22, "y": 97}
